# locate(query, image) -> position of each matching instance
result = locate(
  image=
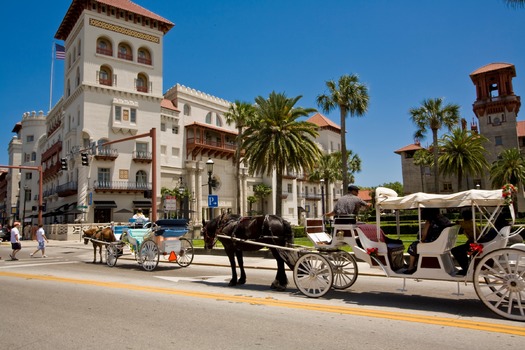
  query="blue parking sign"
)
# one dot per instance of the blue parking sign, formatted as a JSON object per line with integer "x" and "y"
{"x": 213, "y": 201}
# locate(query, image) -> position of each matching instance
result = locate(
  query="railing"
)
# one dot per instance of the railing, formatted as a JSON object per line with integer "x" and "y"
{"x": 106, "y": 152}
{"x": 144, "y": 60}
{"x": 51, "y": 170}
{"x": 67, "y": 189}
{"x": 102, "y": 51}
{"x": 142, "y": 88}
{"x": 206, "y": 142}
{"x": 125, "y": 56}
{"x": 122, "y": 185}
{"x": 105, "y": 82}
{"x": 142, "y": 155}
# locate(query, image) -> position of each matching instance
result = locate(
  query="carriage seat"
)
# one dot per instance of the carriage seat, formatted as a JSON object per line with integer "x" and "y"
{"x": 136, "y": 236}
{"x": 444, "y": 243}
{"x": 498, "y": 242}
{"x": 370, "y": 232}
{"x": 171, "y": 227}
{"x": 315, "y": 232}
{"x": 392, "y": 248}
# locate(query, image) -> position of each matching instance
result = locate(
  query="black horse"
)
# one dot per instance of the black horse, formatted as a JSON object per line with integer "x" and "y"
{"x": 269, "y": 229}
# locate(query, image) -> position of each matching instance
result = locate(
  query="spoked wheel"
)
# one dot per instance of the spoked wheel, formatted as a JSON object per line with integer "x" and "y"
{"x": 344, "y": 268}
{"x": 499, "y": 281}
{"x": 111, "y": 254}
{"x": 149, "y": 255}
{"x": 312, "y": 274}
{"x": 185, "y": 256}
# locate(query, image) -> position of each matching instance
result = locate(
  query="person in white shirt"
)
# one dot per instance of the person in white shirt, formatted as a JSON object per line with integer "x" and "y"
{"x": 15, "y": 240}
{"x": 41, "y": 239}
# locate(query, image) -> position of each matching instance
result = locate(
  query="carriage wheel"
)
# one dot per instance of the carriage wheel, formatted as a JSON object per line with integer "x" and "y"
{"x": 111, "y": 255}
{"x": 312, "y": 274}
{"x": 344, "y": 268}
{"x": 499, "y": 281}
{"x": 185, "y": 256}
{"x": 149, "y": 255}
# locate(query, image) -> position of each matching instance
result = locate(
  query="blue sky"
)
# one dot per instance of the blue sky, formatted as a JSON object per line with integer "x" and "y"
{"x": 405, "y": 51}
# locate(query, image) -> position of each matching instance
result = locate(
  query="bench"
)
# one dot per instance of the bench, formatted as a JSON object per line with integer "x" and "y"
{"x": 436, "y": 254}
{"x": 171, "y": 227}
{"x": 315, "y": 232}
{"x": 392, "y": 248}
{"x": 135, "y": 236}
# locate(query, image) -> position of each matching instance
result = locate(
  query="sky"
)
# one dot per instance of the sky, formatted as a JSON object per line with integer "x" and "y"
{"x": 405, "y": 51}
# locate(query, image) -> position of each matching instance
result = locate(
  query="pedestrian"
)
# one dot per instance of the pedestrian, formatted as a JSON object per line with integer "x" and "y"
{"x": 15, "y": 240}
{"x": 42, "y": 240}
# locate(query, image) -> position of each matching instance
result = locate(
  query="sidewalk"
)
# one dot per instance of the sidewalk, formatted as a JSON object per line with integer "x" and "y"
{"x": 261, "y": 259}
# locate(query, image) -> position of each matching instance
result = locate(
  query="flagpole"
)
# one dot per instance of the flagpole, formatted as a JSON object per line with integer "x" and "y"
{"x": 51, "y": 79}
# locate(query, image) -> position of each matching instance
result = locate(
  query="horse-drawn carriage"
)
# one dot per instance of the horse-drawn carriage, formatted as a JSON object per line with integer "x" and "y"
{"x": 496, "y": 271}
{"x": 149, "y": 242}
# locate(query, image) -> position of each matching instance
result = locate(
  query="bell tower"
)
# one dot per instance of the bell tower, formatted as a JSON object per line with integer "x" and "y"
{"x": 496, "y": 108}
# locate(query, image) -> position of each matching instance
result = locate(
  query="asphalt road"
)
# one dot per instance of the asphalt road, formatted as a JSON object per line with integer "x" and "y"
{"x": 66, "y": 301}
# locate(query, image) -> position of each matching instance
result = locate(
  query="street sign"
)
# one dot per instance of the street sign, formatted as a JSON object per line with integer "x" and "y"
{"x": 213, "y": 201}
{"x": 170, "y": 203}
{"x": 82, "y": 206}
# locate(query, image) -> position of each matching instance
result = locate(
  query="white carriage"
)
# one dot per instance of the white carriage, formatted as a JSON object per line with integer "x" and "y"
{"x": 496, "y": 271}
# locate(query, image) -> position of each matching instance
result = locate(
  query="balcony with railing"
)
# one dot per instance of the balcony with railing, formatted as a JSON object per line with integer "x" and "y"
{"x": 104, "y": 51}
{"x": 209, "y": 141}
{"x": 67, "y": 189}
{"x": 125, "y": 56}
{"x": 144, "y": 60}
{"x": 121, "y": 186}
{"x": 142, "y": 157}
{"x": 106, "y": 154}
{"x": 51, "y": 171}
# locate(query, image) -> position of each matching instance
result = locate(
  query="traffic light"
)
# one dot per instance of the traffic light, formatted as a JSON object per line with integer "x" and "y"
{"x": 85, "y": 159}
{"x": 63, "y": 163}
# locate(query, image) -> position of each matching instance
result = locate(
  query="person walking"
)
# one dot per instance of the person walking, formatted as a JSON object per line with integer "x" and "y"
{"x": 15, "y": 240}
{"x": 42, "y": 240}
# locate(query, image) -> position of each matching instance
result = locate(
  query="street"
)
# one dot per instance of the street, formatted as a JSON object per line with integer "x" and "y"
{"x": 66, "y": 301}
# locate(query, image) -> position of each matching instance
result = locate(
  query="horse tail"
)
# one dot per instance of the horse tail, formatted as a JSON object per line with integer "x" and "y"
{"x": 288, "y": 232}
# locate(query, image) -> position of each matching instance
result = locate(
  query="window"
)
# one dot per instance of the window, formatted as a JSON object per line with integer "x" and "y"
{"x": 118, "y": 113}
{"x": 103, "y": 177}
{"x": 187, "y": 109}
{"x": 447, "y": 187}
{"x": 30, "y": 138}
{"x": 104, "y": 47}
{"x": 218, "y": 120}
{"x": 29, "y": 176}
{"x": 33, "y": 156}
{"x": 133, "y": 115}
{"x": 289, "y": 188}
{"x": 141, "y": 83}
{"x": 498, "y": 141}
{"x": 104, "y": 76}
{"x": 142, "y": 179}
{"x": 175, "y": 152}
{"x": 68, "y": 88}
{"x": 124, "y": 52}
{"x": 141, "y": 150}
{"x": 175, "y": 129}
{"x": 144, "y": 56}
{"x": 27, "y": 157}
{"x": 163, "y": 150}
{"x": 208, "y": 118}
{"x": 162, "y": 126}
{"x": 78, "y": 77}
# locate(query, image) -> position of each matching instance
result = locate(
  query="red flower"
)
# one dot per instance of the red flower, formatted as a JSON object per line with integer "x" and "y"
{"x": 475, "y": 249}
{"x": 372, "y": 251}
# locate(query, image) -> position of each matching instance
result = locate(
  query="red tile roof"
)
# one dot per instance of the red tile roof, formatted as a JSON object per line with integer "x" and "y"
{"x": 364, "y": 195}
{"x": 492, "y": 67}
{"x": 412, "y": 147}
{"x": 165, "y": 103}
{"x": 78, "y": 6}
{"x": 323, "y": 122}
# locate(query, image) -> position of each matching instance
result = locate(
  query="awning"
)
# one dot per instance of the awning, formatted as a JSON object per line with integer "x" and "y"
{"x": 142, "y": 204}
{"x": 104, "y": 204}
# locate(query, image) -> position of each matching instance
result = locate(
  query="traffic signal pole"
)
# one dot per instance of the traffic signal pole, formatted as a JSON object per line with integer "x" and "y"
{"x": 153, "y": 134}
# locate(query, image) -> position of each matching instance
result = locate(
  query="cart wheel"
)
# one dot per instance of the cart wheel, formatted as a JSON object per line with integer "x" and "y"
{"x": 499, "y": 281}
{"x": 344, "y": 268}
{"x": 312, "y": 274}
{"x": 185, "y": 256}
{"x": 149, "y": 255}
{"x": 111, "y": 255}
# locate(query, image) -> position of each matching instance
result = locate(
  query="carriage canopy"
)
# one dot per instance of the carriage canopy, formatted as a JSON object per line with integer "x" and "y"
{"x": 388, "y": 199}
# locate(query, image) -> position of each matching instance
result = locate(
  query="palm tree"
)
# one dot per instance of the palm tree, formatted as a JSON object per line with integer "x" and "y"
{"x": 515, "y": 3}
{"x": 351, "y": 97}
{"x": 328, "y": 170}
{"x": 462, "y": 153}
{"x": 434, "y": 115}
{"x": 509, "y": 168}
{"x": 239, "y": 113}
{"x": 262, "y": 191}
{"x": 423, "y": 158}
{"x": 276, "y": 140}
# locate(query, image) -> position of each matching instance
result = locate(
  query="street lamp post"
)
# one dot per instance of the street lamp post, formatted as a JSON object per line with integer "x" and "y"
{"x": 209, "y": 168}
{"x": 24, "y": 211}
{"x": 322, "y": 198}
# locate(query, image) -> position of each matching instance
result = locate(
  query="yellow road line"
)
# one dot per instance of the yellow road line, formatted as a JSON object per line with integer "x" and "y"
{"x": 345, "y": 310}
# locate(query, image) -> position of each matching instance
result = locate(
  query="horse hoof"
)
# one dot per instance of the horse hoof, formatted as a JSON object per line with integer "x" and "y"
{"x": 232, "y": 284}
{"x": 241, "y": 281}
{"x": 278, "y": 287}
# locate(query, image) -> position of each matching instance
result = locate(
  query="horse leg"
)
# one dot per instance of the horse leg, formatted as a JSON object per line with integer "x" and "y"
{"x": 100, "y": 252}
{"x": 94, "y": 253}
{"x": 281, "y": 280}
{"x": 240, "y": 260}
{"x": 231, "y": 257}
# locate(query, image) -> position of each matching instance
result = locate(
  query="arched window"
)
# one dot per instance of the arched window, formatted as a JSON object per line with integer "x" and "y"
{"x": 33, "y": 156}
{"x": 187, "y": 109}
{"x": 142, "y": 82}
{"x": 78, "y": 77}
{"x": 124, "y": 52}
{"x": 142, "y": 179}
{"x": 104, "y": 47}
{"x": 104, "y": 76}
{"x": 144, "y": 56}
{"x": 218, "y": 120}
{"x": 68, "y": 88}
{"x": 208, "y": 118}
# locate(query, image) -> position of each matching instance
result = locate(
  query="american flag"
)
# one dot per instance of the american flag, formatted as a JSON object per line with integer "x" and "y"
{"x": 60, "y": 52}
